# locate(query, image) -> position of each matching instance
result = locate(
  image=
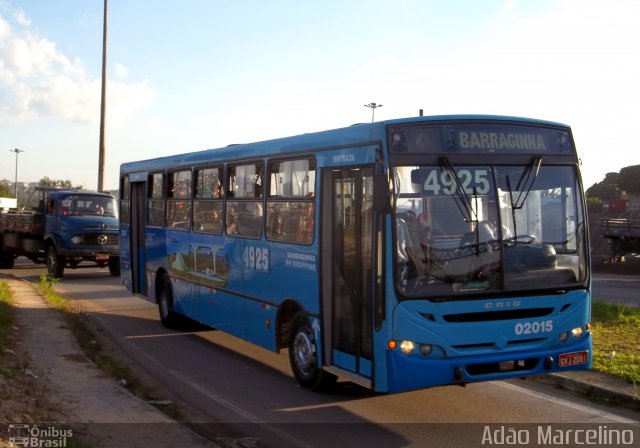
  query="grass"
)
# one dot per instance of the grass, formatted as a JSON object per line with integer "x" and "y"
{"x": 616, "y": 340}
{"x": 6, "y": 318}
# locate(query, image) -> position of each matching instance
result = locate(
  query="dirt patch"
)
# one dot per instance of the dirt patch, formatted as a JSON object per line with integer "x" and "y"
{"x": 24, "y": 391}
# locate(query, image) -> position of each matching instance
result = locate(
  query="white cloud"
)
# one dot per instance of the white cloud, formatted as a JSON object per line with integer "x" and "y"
{"x": 121, "y": 70}
{"x": 39, "y": 81}
{"x": 22, "y": 18}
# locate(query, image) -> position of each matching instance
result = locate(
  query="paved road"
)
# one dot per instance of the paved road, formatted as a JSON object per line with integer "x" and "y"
{"x": 617, "y": 288}
{"x": 249, "y": 393}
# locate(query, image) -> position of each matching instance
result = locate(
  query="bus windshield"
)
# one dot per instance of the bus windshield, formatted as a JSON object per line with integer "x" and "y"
{"x": 462, "y": 230}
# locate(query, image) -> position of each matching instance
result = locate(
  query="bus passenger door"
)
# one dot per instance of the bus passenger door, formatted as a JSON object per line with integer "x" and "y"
{"x": 137, "y": 238}
{"x": 347, "y": 269}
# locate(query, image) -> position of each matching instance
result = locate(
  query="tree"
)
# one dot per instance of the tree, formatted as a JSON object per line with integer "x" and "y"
{"x": 5, "y": 191}
{"x": 47, "y": 182}
{"x": 607, "y": 189}
{"x": 630, "y": 179}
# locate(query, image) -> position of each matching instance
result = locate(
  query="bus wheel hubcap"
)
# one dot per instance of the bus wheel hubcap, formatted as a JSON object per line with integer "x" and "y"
{"x": 304, "y": 353}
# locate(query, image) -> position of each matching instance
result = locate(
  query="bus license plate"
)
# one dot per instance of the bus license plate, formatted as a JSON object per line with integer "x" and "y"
{"x": 102, "y": 257}
{"x": 573, "y": 359}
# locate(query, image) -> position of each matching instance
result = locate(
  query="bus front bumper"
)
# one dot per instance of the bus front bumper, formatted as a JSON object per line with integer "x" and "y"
{"x": 412, "y": 372}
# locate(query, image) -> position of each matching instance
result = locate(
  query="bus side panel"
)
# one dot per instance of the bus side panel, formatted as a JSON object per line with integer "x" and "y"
{"x": 155, "y": 257}
{"x": 180, "y": 263}
{"x": 231, "y": 301}
{"x": 261, "y": 324}
{"x": 275, "y": 272}
{"x": 220, "y": 310}
{"x": 283, "y": 271}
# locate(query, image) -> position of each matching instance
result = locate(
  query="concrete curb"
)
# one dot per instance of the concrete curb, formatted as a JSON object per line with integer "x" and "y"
{"x": 596, "y": 386}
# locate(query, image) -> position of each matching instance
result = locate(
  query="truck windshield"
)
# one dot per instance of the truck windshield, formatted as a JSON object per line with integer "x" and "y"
{"x": 75, "y": 205}
{"x": 462, "y": 230}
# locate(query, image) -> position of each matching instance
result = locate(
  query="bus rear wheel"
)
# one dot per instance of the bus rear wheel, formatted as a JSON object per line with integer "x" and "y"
{"x": 303, "y": 356}
{"x": 168, "y": 317}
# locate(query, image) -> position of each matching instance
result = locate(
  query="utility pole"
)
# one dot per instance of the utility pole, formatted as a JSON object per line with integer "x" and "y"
{"x": 103, "y": 103}
{"x": 373, "y": 107}
{"x": 17, "y": 151}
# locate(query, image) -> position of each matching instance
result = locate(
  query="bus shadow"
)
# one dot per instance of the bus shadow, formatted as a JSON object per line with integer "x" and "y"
{"x": 209, "y": 374}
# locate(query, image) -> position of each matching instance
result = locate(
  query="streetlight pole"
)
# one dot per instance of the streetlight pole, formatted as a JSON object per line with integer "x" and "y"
{"x": 17, "y": 151}
{"x": 103, "y": 104}
{"x": 373, "y": 107}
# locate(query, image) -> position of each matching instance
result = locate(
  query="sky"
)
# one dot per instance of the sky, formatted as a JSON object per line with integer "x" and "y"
{"x": 195, "y": 74}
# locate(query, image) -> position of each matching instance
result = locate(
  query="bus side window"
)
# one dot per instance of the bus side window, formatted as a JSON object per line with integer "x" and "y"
{"x": 208, "y": 204}
{"x": 245, "y": 211}
{"x": 290, "y": 202}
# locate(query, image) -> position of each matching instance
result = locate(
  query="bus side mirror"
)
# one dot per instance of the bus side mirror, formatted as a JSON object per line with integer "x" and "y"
{"x": 382, "y": 193}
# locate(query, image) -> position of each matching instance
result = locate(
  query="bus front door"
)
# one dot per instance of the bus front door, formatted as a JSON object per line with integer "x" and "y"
{"x": 348, "y": 246}
{"x": 137, "y": 237}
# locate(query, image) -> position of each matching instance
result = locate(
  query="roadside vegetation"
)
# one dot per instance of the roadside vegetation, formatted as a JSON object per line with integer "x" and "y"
{"x": 616, "y": 341}
{"x": 94, "y": 348}
{"x": 6, "y": 318}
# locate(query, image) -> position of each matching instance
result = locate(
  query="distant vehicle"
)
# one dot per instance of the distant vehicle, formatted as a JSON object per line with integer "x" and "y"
{"x": 62, "y": 229}
{"x": 399, "y": 255}
{"x": 623, "y": 235}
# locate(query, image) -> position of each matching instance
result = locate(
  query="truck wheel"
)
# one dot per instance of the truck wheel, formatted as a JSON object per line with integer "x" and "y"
{"x": 7, "y": 261}
{"x": 114, "y": 266}
{"x": 168, "y": 317}
{"x": 55, "y": 263}
{"x": 303, "y": 356}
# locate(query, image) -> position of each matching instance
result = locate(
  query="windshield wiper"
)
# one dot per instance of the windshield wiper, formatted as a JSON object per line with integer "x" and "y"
{"x": 524, "y": 186}
{"x": 525, "y": 183}
{"x": 462, "y": 199}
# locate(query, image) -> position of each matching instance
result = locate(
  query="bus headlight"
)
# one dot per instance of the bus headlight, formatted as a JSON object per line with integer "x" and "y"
{"x": 76, "y": 239}
{"x": 407, "y": 347}
{"x": 577, "y": 332}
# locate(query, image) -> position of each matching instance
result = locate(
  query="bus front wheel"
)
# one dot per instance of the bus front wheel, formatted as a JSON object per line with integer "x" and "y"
{"x": 303, "y": 356}
{"x": 168, "y": 317}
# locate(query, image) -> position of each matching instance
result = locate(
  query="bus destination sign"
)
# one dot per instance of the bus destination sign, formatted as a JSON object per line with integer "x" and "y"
{"x": 478, "y": 138}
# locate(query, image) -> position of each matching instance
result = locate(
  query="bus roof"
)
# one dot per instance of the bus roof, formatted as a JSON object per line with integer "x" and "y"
{"x": 352, "y": 135}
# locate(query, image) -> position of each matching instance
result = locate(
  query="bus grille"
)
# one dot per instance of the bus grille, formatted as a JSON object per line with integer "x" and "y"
{"x": 490, "y": 316}
{"x": 480, "y": 345}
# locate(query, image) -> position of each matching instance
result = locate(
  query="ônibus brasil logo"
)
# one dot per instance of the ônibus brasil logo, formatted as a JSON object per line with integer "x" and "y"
{"x": 38, "y": 436}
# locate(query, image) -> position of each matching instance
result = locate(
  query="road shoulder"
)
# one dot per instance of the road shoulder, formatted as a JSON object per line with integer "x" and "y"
{"x": 99, "y": 409}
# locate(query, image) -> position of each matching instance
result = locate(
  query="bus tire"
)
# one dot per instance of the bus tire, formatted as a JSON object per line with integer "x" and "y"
{"x": 303, "y": 356}
{"x": 55, "y": 262}
{"x": 114, "y": 266}
{"x": 168, "y": 317}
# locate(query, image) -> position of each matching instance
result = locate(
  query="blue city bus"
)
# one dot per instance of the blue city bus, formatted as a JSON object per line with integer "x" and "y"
{"x": 398, "y": 255}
